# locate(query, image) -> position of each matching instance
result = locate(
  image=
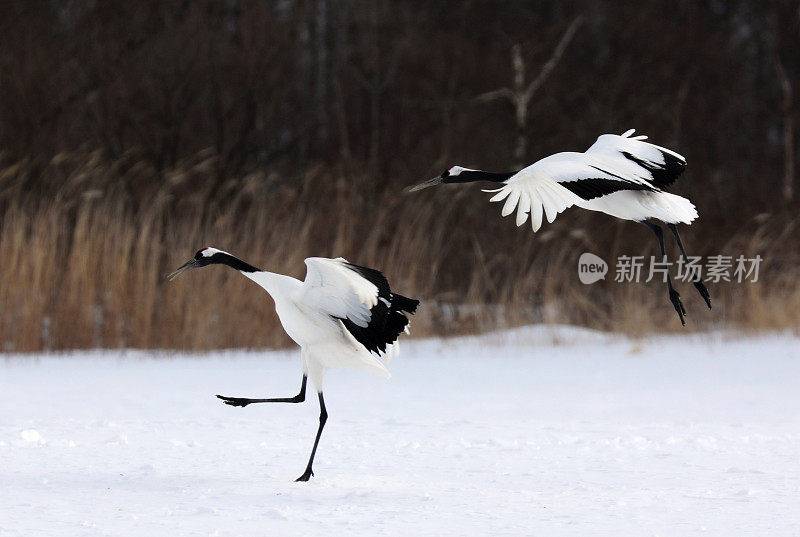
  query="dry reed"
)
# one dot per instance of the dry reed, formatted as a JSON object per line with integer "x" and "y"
{"x": 86, "y": 242}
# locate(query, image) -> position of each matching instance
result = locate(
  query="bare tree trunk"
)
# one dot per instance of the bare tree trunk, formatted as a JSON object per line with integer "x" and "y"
{"x": 321, "y": 93}
{"x": 305, "y": 81}
{"x": 521, "y": 105}
{"x": 383, "y": 69}
{"x": 375, "y": 104}
{"x": 448, "y": 106}
{"x": 788, "y": 133}
{"x": 341, "y": 52}
{"x": 520, "y": 95}
{"x": 680, "y": 104}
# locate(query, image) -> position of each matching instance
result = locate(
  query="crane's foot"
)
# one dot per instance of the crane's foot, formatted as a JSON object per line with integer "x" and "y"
{"x": 306, "y": 475}
{"x": 675, "y": 298}
{"x": 235, "y": 401}
{"x": 701, "y": 288}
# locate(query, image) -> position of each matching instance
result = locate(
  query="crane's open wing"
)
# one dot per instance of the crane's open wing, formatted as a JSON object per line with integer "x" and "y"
{"x": 336, "y": 289}
{"x": 536, "y": 191}
{"x": 634, "y": 157}
{"x": 360, "y": 297}
{"x": 612, "y": 164}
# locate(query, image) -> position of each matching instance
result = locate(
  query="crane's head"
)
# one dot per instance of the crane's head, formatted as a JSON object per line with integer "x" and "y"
{"x": 450, "y": 175}
{"x": 203, "y": 258}
{"x": 459, "y": 174}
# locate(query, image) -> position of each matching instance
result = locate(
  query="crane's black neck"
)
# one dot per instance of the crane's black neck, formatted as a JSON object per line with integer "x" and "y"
{"x": 222, "y": 258}
{"x": 470, "y": 176}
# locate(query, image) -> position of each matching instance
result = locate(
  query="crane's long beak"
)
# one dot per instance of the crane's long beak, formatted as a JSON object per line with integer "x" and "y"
{"x": 431, "y": 182}
{"x": 192, "y": 263}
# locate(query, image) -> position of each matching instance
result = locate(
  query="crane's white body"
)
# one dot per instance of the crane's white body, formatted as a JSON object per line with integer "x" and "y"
{"x": 342, "y": 315}
{"x": 308, "y": 312}
{"x": 628, "y": 165}
{"x": 620, "y": 175}
{"x": 641, "y": 205}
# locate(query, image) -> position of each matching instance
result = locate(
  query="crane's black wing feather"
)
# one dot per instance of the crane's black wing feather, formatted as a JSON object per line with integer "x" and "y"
{"x": 663, "y": 174}
{"x": 387, "y": 317}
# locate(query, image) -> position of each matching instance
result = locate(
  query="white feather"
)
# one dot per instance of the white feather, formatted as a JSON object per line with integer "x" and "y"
{"x": 339, "y": 291}
{"x": 536, "y": 214}
{"x": 511, "y": 203}
{"x": 539, "y": 190}
{"x": 524, "y": 208}
{"x": 501, "y": 195}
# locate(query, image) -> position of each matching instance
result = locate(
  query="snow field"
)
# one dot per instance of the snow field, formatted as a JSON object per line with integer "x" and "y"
{"x": 534, "y": 431}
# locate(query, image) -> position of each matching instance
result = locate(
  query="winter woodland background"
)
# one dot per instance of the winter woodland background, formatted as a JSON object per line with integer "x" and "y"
{"x": 133, "y": 133}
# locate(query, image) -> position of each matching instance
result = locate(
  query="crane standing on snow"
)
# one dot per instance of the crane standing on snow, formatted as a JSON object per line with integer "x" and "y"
{"x": 620, "y": 175}
{"x": 342, "y": 315}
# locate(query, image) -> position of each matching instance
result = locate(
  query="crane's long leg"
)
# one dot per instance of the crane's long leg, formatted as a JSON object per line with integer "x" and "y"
{"x": 674, "y": 297}
{"x": 323, "y": 417}
{"x": 243, "y": 401}
{"x": 698, "y": 283}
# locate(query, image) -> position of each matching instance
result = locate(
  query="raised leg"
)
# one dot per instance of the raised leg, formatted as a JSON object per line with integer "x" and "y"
{"x": 323, "y": 417}
{"x": 698, "y": 283}
{"x": 674, "y": 297}
{"x": 242, "y": 401}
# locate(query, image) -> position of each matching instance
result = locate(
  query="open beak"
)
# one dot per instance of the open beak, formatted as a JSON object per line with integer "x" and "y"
{"x": 192, "y": 263}
{"x": 426, "y": 184}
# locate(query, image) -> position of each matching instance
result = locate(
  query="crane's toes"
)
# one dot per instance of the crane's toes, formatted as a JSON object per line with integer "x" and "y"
{"x": 306, "y": 475}
{"x": 675, "y": 298}
{"x": 703, "y": 290}
{"x": 234, "y": 401}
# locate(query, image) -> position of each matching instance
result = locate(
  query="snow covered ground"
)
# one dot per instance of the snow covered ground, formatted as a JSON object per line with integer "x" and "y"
{"x": 536, "y": 431}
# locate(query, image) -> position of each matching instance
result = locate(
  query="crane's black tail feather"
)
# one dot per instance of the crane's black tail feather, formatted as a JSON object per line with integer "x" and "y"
{"x": 401, "y": 303}
{"x": 387, "y": 320}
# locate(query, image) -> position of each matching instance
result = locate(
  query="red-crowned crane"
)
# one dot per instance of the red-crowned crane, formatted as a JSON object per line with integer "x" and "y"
{"x": 342, "y": 316}
{"x": 620, "y": 175}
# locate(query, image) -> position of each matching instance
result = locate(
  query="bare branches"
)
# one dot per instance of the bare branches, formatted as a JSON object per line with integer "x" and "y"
{"x": 788, "y": 132}
{"x": 520, "y": 95}
{"x": 555, "y": 58}
{"x": 496, "y": 94}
